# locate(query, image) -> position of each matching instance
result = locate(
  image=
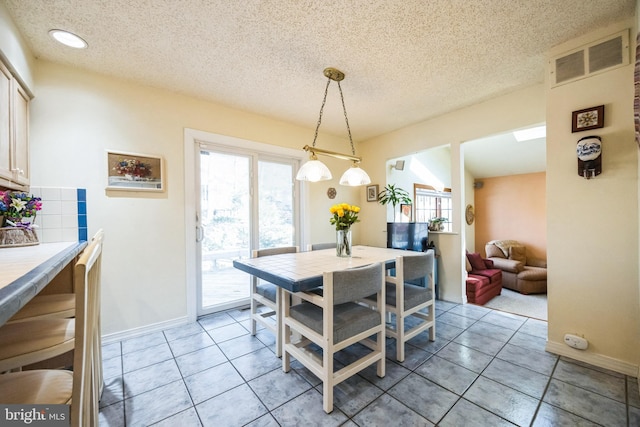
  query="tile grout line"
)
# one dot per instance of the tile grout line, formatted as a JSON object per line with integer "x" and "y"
{"x": 519, "y": 329}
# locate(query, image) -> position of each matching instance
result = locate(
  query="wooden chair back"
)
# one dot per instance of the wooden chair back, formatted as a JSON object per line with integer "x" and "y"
{"x": 86, "y": 364}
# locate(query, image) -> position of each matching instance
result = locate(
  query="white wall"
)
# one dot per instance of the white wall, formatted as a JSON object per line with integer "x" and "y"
{"x": 592, "y": 225}
{"x": 469, "y": 199}
{"x": 14, "y": 50}
{"x": 76, "y": 116}
{"x": 431, "y": 167}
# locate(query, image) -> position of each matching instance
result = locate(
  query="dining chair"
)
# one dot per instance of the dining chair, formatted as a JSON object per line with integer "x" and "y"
{"x": 333, "y": 321}
{"x": 77, "y": 388}
{"x": 97, "y": 330}
{"x": 268, "y": 295}
{"x": 318, "y": 246}
{"x": 408, "y": 294}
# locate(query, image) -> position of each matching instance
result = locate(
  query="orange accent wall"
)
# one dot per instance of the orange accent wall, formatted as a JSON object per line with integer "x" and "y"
{"x": 512, "y": 207}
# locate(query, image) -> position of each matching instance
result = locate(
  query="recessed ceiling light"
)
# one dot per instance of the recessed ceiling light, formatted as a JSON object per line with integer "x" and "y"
{"x": 531, "y": 133}
{"x": 68, "y": 39}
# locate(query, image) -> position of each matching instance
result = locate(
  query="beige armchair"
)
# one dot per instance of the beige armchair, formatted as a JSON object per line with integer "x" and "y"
{"x": 520, "y": 272}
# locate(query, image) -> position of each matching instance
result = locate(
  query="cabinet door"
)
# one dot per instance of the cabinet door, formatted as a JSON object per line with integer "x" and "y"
{"x": 20, "y": 165}
{"x": 5, "y": 123}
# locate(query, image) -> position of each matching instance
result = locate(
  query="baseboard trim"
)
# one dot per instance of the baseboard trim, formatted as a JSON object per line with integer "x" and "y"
{"x": 595, "y": 359}
{"x": 136, "y": 332}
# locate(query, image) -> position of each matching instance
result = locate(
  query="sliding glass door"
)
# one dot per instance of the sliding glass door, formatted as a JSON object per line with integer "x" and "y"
{"x": 247, "y": 201}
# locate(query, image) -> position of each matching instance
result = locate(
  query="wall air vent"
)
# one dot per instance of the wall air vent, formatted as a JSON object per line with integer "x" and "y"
{"x": 594, "y": 58}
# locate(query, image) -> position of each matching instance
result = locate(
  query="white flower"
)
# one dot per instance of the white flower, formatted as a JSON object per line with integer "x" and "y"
{"x": 18, "y": 204}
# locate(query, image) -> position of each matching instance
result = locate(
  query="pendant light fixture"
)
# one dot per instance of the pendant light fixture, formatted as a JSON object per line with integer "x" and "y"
{"x": 314, "y": 170}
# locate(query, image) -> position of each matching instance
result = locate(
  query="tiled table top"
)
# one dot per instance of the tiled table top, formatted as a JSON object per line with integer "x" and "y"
{"x": 303, "y": 270}
{"x": 27, "y": 270}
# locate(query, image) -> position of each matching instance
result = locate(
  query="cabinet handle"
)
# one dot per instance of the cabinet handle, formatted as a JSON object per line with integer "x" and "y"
{"x": 20, "y": 171}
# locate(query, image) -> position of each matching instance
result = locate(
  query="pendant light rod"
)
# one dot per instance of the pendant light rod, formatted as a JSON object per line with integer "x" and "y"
{"x": 316, "y": 150}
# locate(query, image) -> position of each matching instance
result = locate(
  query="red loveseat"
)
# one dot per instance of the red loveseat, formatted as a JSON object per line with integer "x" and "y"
{"x": 483, "y": 281}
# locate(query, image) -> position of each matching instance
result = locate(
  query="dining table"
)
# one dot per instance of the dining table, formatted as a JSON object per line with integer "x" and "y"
{"x": 302, "y": 271}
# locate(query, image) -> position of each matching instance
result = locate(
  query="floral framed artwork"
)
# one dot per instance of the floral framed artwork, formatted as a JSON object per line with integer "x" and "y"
{"x": 372, "y": 193}
{"x": 134, "y": 172}
{"x": 589, "y": 118}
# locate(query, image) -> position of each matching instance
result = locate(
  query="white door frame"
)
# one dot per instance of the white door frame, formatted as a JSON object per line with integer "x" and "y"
{"x": 193, "y": 138}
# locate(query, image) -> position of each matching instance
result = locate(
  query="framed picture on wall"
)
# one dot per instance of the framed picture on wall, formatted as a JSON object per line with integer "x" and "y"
{"x": 134, "y": 172}
{"x": 589, "y": 118}
{"x": 372, "y": 193}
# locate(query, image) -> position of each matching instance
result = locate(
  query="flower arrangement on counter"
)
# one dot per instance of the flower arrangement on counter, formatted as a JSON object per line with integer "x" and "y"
{"x": 344, "y": 215}
{"x": 132, "y": 168}
{"x": 15, "y": 207}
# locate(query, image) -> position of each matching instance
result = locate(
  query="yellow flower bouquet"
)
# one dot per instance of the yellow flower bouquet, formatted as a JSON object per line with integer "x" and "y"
{"x": 343, "y": 216}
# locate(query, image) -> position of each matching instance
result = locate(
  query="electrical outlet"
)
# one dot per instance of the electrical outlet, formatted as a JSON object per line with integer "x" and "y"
{"x": 576, "y": 342}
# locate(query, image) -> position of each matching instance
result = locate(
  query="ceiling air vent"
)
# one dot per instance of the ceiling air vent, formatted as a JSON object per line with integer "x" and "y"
{"x": 600, "y": 56}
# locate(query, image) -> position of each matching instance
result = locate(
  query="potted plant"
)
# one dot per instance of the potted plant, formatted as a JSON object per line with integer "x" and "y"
{"x": 437, "y": 223}
{"x": 395, "y": 196}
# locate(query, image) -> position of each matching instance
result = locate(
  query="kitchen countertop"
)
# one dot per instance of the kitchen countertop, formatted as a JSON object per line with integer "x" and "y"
{"x": 26, "y": 270}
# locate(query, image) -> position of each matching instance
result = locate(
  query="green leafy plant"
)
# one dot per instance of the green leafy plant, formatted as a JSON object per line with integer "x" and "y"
{"x": 438, "y": 220}
{"x": 394, "y": 195}
{"x": 437, "y": 223}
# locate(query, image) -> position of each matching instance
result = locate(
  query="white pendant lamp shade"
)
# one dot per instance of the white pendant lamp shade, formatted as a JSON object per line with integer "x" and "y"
{"x": 354, "y": 176}
{"x": 314, "y": 171}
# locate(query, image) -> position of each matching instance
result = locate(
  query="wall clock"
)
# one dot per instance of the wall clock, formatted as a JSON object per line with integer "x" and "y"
{"x": 469, "y": 215}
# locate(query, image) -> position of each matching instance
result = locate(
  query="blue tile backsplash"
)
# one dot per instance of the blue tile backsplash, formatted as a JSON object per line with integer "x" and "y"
{"x": 63, "y": 217}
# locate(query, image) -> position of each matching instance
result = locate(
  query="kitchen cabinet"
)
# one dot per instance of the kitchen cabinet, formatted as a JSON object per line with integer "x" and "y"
{"x": 14, "y": 132}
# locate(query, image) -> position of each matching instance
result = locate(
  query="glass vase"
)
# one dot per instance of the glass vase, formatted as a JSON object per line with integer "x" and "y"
{"x": 343, "y": 243}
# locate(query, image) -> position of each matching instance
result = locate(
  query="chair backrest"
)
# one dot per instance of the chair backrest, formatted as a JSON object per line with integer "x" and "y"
{"x": 318, "y": 246}
{"x": 257, "y": 253}
{"x": 97, "y": 342}
{"x": 87, "y": 272}
{"x": 357, "y": 283}
{"x": 418, "y": 267}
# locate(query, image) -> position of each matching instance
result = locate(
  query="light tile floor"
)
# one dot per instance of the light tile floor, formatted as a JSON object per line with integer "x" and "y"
{"x": 486, "y": 368}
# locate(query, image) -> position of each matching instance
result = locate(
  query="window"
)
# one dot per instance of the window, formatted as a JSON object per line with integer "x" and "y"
{"x": 432, "y": 203}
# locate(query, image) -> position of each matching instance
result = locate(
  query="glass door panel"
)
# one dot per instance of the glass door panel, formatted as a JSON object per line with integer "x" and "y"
{"x": 225, "y": 221}
{"x": 275, "y": 205}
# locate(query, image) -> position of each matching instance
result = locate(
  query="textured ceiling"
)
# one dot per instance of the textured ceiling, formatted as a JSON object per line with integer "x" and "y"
{"x": 404, "y": 60}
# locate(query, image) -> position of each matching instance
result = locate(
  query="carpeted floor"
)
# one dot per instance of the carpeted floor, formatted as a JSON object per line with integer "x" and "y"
{"x": 534, "y": 305}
